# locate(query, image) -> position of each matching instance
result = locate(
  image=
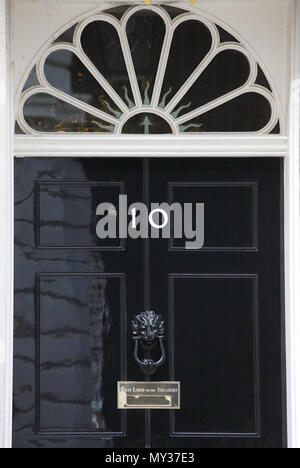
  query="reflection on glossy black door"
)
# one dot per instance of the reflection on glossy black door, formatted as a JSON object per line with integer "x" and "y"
{"x": 76, "y": 295}
{"x": 224, "y": 305}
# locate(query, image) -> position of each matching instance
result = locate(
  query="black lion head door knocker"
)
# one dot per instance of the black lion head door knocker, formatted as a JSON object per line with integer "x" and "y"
{"x": 148, "y": 332}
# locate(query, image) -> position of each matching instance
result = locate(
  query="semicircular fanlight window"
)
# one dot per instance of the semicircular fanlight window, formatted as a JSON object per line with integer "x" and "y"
{"x": 137, "y": 70}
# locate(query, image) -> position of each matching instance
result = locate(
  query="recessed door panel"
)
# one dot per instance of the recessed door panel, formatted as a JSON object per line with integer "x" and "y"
{"x": 215, "y": 320}
{"x": 230, "y": 220}
{"x": 66, "y": 214}
{"x": 79, "y": 352}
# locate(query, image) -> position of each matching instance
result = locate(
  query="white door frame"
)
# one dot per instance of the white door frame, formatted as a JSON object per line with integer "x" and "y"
{"x": 242, "y": 146}
{"x": 292, "y": 242}
{"x": 6, "y": 233}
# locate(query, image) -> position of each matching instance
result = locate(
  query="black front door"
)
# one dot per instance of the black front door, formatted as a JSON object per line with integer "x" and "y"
{"x": 76, "y": 295}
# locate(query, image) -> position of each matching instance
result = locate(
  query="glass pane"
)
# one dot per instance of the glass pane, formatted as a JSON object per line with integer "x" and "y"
{"x": 32, "y": 80}
{"x": 46, "y": 113}
{"x": 191, "y": 42}
{"x": 247, "y": 113}
{"x": 228, "y": 71}
{"x": 276, "y": 130}
{"x": 100, "y": 41}
{"x": 173, "y": 11}
{"x": 147, "y": 124}
{"x": 67, "y": 36}
{"x": 225, "y": 36}
{"x": 261, "y": 79}
{"x": 18, "y": 130}
{"x": 118, "y": 11}
{"x": 65, "y": 72}
{"x": 146, "y": 32}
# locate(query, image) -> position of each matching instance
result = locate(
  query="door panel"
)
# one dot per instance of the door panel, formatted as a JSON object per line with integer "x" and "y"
{"x": 58, "y": 202}
{"x": 232, "y": 224}
{"x": 76, "y": 296}
{"x": 224, "y": 304}
{"x": 219, "y": 383}
{"x": 79, "y": 356}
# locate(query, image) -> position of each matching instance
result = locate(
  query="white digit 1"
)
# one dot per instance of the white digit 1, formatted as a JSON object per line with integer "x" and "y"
{"x": 133, "y": 211}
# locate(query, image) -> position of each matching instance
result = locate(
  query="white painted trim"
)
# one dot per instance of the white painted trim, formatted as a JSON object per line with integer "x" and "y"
{"x": 69, "y": 145}
{"x": 6, "y": 235}
{"x": 292, "y": 245}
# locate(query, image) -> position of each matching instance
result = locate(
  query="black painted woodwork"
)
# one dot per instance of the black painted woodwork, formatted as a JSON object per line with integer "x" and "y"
{"x": 76, "y": 294}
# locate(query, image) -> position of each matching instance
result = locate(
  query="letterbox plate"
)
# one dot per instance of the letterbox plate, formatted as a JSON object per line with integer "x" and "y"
{"x": 149, "y": 395}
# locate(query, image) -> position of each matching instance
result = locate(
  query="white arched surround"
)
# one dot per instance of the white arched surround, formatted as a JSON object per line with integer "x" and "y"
{"x": 271, "y": 33}
{"x": 143, "y": 103}
{"x": 273, "y": 40}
